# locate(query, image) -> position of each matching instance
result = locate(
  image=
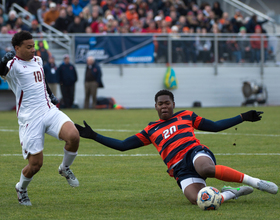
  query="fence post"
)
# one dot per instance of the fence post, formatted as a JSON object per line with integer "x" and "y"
{"x": 216, "y": 55}
{"x": 262, "y": 55}
{"x": 169, "y": 49}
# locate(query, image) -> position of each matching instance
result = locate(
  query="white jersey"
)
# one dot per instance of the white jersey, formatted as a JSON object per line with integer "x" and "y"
{"x": 27, "y": 81}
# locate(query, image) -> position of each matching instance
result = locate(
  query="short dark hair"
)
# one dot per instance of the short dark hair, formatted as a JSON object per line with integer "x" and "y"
{"x": 164, "y": 92}
{"x": 19, "y": 37}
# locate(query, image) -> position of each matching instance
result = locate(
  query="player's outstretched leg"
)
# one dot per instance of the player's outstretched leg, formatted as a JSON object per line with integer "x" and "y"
{"x": 23, "y": 198}
{"x": 234, "y": 193}
{"x": 230, "y": 175}
{"x": 69, "y": 175}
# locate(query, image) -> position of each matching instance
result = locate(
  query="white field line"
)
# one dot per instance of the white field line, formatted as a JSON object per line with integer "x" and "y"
{"x": 143, "y": 155}
{"x": 197, "y": 132}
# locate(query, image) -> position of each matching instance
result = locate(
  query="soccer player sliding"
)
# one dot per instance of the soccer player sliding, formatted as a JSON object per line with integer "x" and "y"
{"x": 188, "y": 161}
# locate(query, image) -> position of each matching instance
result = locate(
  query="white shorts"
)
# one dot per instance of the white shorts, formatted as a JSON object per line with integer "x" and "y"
{"x": 186, "y": 182}
{"x": 32, "y": 135}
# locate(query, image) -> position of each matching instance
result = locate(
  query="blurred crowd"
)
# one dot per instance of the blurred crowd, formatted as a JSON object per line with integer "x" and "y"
{"x": 144, "y": 16}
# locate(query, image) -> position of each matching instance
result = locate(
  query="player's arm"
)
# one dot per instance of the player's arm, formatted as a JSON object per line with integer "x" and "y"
{"x": 54, "y": 100}
{"x": 215, "y": 126}
{"x": 3, "y": 62}
{"x": 129, "y": 143}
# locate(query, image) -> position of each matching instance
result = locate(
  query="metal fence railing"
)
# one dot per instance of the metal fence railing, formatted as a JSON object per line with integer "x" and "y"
{"x": 177, "y": 49}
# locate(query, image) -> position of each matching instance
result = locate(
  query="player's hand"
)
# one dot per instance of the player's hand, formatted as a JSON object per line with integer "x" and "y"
{"x": 54, "y": 100}
{"x": 86, "y": 132}
{"x": 252, "y": 115}
{"x": 8, "y": 56}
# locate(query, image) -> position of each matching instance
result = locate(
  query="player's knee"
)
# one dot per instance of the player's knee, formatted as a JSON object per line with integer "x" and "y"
{"x": 192, "y": 199}
{"x": 75, "y": 137}
{"x": 207, "y": 171}
{"x": 35, "y": 168}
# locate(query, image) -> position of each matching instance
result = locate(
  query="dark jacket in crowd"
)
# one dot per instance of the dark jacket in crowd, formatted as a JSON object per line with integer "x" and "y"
{"x": 94, "y": 73}
{"x": 50, "y": 72}
{"x": 67, "y": 74}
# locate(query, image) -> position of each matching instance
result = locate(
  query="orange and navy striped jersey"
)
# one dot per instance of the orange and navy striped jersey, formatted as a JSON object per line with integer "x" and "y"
{"x": 173, "y": 137}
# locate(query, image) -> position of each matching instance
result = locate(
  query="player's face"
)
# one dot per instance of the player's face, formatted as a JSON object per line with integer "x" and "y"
{"x": 164, "y": 107}
{"x": 26, "y": 51}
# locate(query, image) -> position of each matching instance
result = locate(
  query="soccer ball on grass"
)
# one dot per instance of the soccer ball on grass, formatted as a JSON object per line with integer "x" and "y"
{"x": 209, "y": 198}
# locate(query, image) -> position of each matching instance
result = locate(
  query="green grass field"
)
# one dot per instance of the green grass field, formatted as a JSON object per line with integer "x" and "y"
{"x": 134, "y": 184}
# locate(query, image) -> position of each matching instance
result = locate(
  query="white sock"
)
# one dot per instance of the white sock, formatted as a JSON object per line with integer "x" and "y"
{"x": 251, "y": 181}
{"x": 228, "y": 195}
{"x": 68, "y": 158}
{"x": 24, "y": 181}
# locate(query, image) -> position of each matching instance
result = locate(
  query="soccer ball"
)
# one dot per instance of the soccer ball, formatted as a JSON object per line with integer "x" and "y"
{"x": 209, "y": 198}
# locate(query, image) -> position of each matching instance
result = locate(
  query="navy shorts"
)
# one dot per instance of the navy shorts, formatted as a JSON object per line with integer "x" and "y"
{"x": 185, "y": 169}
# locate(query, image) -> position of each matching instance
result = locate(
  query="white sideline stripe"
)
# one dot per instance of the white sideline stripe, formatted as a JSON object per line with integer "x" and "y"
{"x": 143, "y": 155}
{"x": 196, "y": 132}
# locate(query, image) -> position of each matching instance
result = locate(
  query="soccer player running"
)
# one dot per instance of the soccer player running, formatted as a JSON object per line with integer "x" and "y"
{"x": 187, "y": 159}
{"x": 36, "y": 112}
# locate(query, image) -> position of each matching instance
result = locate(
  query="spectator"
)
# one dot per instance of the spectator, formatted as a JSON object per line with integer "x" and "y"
{"x": 101, "y": 28}
{"x": 41, "y": 12}
{"x": 108, "y": 6}
{"x": 5, "y": 43}
{"x": 221, "y": 44}
{"x": 91, "y": 4}
{"x": 189, "y": 45}
{"x": 177, "y": 46}
{"x": 84, "y": 22}
{"x": 51, "y": 15}
{"x": 62, "y": 22}
{"x": 151, "y": 27}
{"x": 51, "y": 75}
{"x": 234, "y": 49}
{"x": 237, "y": 21}
{"x": 182, "y": 9}
{"x": 1, "y": 22}
{"x": 256, "y": 43}
{"x": 109, "y": 25}
{"x": 86, "y": 15}
{"x": 4, "y": 15}
{"x": 12, "y": 18}
{"x": 152, "y": 5}
{"x": 217, "y": 9}
{"x": 76, "y": 26}
{"x": 191, "y": 20}
{"x": 34, "y": 29}
{"x": 43, "y": 53}
{"x": 33, "y": 6}
{"x": 67, "y": 77}
{"x": 206, "y": 10}
{"x": 252, "y": 23}
{"x": 203, "y": 46}
{"x": 224, "y": 22}
{"x": 95, "y": 22}
{"x": 93, "y": 81}
{"x": 131, "y": 13}
{"x": 70, "y": 15}
{"x": 168, "y": 21}
{"x": 76, "y": 7}
{"x": 244, "y": 44}
{"x": 83, "y": 3}
{"x": 88, "y": 30}
{"x": 202, "y": 22}
{"x": 20, "y": 26}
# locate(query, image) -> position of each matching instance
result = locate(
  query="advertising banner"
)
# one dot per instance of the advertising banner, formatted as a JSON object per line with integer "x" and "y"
{"x": 115, "y": 49}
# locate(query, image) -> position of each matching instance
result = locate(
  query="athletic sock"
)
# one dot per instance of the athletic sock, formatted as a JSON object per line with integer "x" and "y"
{"x": 228, "y": 174}
{"x": 251, "y": 181}
{"x": 24, "y": 181}
{"x": 227, "y": 195}
{"x": 68, "y": 158}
